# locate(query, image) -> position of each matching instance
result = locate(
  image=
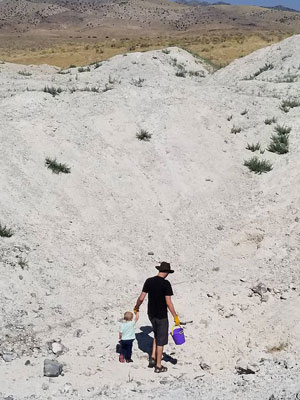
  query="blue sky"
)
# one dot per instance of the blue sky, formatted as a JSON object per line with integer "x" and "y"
{"x": 287, "y": 3}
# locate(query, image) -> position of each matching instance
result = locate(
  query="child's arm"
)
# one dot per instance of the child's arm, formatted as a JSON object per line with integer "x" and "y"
{"x": 120, "y": 335}
{"x": 136, "y": 317}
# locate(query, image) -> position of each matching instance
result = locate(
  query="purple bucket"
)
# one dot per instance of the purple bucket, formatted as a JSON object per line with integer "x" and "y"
{"x": 178, "y": 335}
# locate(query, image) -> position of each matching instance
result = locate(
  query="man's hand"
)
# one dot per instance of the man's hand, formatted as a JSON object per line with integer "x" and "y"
{"x": 136, "y": 310}
{"x": 176, "y": 320}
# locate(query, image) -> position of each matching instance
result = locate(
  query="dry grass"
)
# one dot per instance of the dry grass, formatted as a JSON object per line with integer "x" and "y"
{"x": 277, "y": 348}
{"x": 220, "y": 48}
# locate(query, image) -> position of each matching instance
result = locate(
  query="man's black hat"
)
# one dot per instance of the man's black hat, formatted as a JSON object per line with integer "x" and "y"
{"x": 165, "y": 267}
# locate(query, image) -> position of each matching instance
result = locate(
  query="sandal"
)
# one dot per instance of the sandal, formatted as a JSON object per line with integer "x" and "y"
{"x": 158, "y": 370}
{"x": 152, "y": 363}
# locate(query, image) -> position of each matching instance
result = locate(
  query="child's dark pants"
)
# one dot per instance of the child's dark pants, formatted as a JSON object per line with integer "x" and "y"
{"x": 126, "y": 348}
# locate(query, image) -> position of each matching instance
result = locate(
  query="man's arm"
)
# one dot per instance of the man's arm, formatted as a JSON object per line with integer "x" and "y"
{"x": 139, "y": 302}
{"x": 170, "y": 306}
{"x": 172, "y": 310}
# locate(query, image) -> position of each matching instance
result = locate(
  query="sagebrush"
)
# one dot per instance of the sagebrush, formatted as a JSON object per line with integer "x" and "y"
{"x": 57, "y": 167}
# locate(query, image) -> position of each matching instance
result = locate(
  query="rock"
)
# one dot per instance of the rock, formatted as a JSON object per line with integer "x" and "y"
{"x": 220, "y": 227}
{"x": 45, "y": 386}
{"x": 204, "y": 366}
{"x": 52, "y": 368}
{"x": 68, "y": 388}
{"x": 8, "y": 356}
{"x": 243, "y": 368}
{"x": 27, "y": 362}
{"x": 78, "y": 333}
{"x": 244, "y": 371}
{"x": 57, "y": 348}
{"x": 297, "y": 219}
{"x": 261, "y": 290}
{"x": 150, "y": 253}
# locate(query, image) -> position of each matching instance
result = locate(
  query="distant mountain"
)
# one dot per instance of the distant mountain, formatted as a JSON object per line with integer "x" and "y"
{"x": 203, "y": 3}
{"x": 282, "y": 8}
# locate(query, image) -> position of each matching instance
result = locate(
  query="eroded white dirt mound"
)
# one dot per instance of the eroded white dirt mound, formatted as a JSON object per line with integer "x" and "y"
{"x": 84, "y": 242}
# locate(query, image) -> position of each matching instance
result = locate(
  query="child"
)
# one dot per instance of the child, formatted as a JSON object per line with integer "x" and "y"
{"x": 127, "y": 336}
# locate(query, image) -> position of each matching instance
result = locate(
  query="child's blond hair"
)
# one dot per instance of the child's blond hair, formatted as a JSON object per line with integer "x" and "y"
{"x": 128, "y": 316}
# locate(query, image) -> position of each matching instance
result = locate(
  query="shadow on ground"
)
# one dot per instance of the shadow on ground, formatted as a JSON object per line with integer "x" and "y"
{"x": 145, "y": 342}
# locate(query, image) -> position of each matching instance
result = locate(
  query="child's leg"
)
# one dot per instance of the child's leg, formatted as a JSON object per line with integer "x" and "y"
{"x": 122, "y": 350}
{"x": 130, "y": 349}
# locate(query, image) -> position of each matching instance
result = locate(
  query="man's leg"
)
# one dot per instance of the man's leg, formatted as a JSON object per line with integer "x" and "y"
{"x": 153, "y": 355}
{"x": 159, "y": 353}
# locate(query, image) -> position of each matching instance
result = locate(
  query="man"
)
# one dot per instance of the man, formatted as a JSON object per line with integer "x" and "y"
{"x": 159, "y": 301}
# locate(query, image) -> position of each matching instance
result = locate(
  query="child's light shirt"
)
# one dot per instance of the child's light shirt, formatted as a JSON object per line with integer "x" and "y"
{"x": 127, "y": 330}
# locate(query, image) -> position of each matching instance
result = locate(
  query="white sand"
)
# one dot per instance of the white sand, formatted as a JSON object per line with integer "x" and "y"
{"x": 185, "y": 196}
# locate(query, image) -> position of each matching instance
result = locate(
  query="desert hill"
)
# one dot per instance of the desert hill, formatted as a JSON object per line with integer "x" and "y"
{"x": 93, "y": 16}
{"x": 82, "y": 243}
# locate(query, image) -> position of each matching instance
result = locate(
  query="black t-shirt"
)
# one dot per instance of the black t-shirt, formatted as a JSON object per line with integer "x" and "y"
{"x": 157, "y": 288}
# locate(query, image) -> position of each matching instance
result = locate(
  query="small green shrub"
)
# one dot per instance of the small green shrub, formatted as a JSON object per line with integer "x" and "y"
{"x": 258, "y": 166}
{"x": 270, "y": 121}
{"x": 286, "y": 105}
{"x": 280, "y": 142}
{"x": 265, "y": 68}
{"x": 112, "y": 80}
{"x": 63, "y": 72}
{"x": 236, "y": 129}
{"x": 138, "y": 82}
{"x": 287, "y": 79}
{"x": 56, "y": 167}
{"x": 23, "y": 263}
{"x": 282, "y": 130}
{"x": 72, "y": 66}
{"x": 97, "y": 65}
{"x": 196, "y": 73}
{"x": 24, "y": 73}
{"x": 107, "y": 87}
{"x": 181, "y": 74}
{"x": 5, "y": 232}
{"x": 82, "y": 69}
{"x": 253, "y": 147}
{"x": 144, "y": 135}
{"x": 52, "y": 90}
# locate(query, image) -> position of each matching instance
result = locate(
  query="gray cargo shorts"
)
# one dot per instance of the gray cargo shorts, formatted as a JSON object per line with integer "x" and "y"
{"x": 161, "y": 330}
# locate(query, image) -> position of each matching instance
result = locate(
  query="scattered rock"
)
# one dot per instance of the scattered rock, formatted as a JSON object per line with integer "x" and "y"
{"x": 244, "y": 371}
{"x": 150, "y": 253}
{"x": 220, "y": 227}
{"x": 243, "y": 368}
{"x": 27, "y": 362}
{"x": 68, "y": 388}
{"x": 204, "y": 366}
{"x": 78, "y": 333}
{"x": 57, "y": 348}
{"x": 8, "y": 356}
{"x": 52, "y": 368}
{"x": 261, "y": 290}
{"x": 45, "y": 386}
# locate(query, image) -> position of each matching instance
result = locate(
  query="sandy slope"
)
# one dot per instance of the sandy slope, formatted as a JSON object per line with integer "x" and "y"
{"x": 185, "y": 196}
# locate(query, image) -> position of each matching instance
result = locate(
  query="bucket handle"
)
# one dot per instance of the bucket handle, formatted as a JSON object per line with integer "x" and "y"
{"x": 175, "y": 326}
